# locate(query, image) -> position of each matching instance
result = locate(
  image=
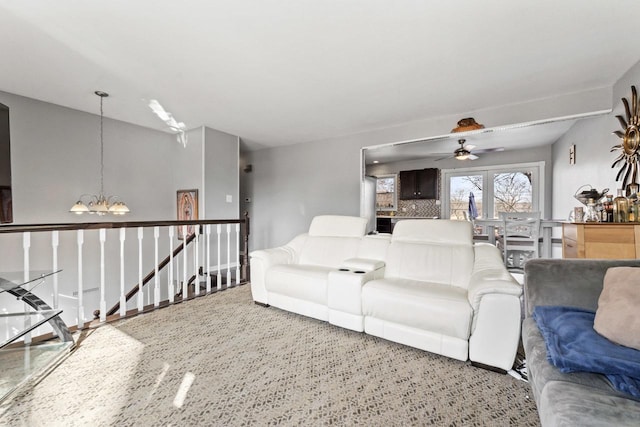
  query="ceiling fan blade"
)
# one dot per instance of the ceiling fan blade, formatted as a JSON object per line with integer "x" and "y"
{"x": 472, "y": 157}
{"x": 469, "y": 147}
{"x": 443, "y": 158}
{"x": 488, "y": 150}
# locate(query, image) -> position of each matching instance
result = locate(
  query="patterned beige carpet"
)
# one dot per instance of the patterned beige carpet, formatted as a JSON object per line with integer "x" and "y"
{"x": 222, "y": 360}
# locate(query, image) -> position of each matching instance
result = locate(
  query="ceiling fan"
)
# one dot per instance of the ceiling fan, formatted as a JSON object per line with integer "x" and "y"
{"x": 464, "y": 152}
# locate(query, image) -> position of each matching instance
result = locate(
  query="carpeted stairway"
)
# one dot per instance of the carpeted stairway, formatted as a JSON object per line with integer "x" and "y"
{"x": 222, "y": 360}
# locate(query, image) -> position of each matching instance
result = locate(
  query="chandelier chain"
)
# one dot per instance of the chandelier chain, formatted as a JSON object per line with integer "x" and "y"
{"x": 100, "y": 204}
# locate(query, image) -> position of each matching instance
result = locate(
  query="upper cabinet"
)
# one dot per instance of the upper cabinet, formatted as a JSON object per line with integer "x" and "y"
{"x": 419, "y": 184}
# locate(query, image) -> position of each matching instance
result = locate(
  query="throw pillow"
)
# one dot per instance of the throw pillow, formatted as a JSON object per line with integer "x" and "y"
{"x": 618, "y": 314}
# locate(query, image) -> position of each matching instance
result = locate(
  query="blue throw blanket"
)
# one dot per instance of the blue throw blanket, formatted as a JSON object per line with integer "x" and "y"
{"x": 573, "y": 346}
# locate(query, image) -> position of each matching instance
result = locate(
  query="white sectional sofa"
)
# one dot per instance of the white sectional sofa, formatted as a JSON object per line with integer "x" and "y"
{"x": 295, "y": 277}
{"x": 427, "y": 286}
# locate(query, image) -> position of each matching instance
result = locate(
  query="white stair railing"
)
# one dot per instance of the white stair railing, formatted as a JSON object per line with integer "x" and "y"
{"x": 96, "y": 257}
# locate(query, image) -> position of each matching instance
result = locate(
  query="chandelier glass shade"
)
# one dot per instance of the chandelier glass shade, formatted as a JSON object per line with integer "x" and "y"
{"x": 100, "y": 204}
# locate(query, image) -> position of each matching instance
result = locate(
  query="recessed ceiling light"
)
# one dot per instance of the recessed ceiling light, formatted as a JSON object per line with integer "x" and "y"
{"x": 376, "y": 161}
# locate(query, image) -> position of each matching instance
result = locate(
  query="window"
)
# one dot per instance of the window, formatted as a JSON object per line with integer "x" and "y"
{"x": 506, "y": 188}
{"x": 386, "y": 195}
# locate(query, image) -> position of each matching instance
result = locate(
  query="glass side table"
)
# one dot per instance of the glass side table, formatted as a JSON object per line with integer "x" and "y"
{"x": 22, "y": 363}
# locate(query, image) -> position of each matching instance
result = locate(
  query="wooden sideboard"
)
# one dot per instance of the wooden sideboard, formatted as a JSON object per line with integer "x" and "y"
{"x": 601, "y": 240}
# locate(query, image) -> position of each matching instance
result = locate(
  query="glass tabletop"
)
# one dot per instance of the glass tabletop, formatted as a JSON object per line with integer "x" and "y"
{"x": 15, "y": 279}
{"x": 33, "y": 319}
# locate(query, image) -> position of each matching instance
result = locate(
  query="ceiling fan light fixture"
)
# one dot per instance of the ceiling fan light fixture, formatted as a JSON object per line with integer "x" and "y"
{"x": 462, "y": 154}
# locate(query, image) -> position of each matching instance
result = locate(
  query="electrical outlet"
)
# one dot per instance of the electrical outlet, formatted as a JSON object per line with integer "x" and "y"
{"x": 229, "y": 198}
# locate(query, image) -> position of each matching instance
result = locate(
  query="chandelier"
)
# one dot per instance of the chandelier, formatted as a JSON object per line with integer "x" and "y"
{"x": 100, "y": 204}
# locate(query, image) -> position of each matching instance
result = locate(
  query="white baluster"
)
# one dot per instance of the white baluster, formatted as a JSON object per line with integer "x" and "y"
{"x": 185, "y": 288}
{"x": 219, "y": 284}
{"x": 123, "y": 297}
{"x": 208, "y": 231}
{"x": 228, "y": 256}
{"x": 196, "y": 257}
{"x": 80, "y": 299}
{"x": 54, "y": 246}
{"x": 140, "y": 291}
{"x": 156, "y": 291}
{"x": 26, "y": 244}
{"x": 103, "y": 302}
{"x": 170, "y": 288}
{"x": 237, "y": 253}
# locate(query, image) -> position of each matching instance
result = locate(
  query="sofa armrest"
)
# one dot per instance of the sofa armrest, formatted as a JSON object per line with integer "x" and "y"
{"x": 363, "y": 264}
{"x": 495, "y": 297}
{"x": 375, "y": 266}
{"x": 262, "y": 260}
{"x": 570, "y": 282}
{"x": 273, "y": 256}
{"x": 490, "y": 276}
{"x": 488, "y": 285}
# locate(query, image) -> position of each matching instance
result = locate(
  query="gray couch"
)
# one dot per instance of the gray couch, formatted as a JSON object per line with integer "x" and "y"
{"x": 580, "y": 398}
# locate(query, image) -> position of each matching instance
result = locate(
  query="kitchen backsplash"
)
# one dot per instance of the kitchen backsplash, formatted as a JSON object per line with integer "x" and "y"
{"x": 426, "y": 208}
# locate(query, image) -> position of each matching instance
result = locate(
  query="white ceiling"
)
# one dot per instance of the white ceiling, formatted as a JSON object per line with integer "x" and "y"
{"x": 279, "y": 72}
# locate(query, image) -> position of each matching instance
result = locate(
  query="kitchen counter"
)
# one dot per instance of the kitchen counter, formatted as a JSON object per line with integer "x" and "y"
{"x": 405, "y": 217}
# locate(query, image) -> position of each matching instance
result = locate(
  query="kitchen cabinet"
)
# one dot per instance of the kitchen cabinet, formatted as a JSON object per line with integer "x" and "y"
{"x": 419, "y": 184}
{"x": 601, "y": 240}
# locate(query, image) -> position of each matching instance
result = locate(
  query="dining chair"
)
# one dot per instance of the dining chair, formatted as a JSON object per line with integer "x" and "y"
{"x": 519, "y": 240}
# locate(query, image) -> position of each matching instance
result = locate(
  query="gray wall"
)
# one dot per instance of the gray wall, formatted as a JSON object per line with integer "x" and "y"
{"x": 292, "y": 184}
{"x": 593, "y": 139}
{"x": 55, "y": 157}
{"x": 221, "y": 174}
{"x": 55, "y": 153}
{"x": 187, "y": 169}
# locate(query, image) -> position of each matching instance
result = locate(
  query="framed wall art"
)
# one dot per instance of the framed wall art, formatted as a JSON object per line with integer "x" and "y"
{"x": 187, "y": 203}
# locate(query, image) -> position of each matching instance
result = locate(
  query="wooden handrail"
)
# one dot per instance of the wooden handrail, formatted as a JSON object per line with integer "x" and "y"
{"x": 148, "y": 277}
{"x": 99, "y": 225}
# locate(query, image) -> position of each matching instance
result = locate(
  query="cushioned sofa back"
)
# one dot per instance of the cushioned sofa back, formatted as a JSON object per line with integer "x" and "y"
{"x": 337, "y": 226}
{"x": 438, "y": 251}
{"x": 332, "y": 239}
{"x": 329, "y": 251}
